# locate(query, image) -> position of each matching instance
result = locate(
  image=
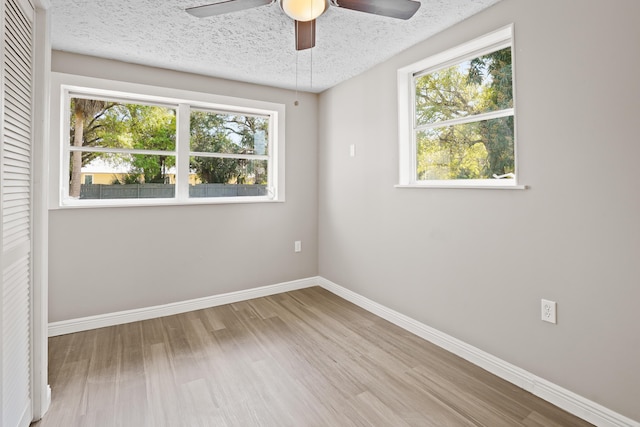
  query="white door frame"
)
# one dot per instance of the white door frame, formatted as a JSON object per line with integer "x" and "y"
{"x": 40, "y": 391}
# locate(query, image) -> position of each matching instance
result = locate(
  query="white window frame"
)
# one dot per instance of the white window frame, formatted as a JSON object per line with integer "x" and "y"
{"x": 488, "y": 43}
{"x": 65, "y": 86}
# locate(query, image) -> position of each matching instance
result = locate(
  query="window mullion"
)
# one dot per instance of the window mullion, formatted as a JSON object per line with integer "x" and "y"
{"x": 122, "y": 151}
{"x": 229, "y": 156}
{"x": 182, "y": 145}
{"x": 468, "y": 119}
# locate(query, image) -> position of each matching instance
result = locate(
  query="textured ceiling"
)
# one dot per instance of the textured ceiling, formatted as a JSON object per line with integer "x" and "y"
{"x": 254, "y": 46}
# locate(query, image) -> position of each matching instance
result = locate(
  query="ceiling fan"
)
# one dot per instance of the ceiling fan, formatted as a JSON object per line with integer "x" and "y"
{"x": 305, "y": 12}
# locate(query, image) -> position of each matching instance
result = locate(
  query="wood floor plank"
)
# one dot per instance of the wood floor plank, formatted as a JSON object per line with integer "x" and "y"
{"x": 302, "y": 358}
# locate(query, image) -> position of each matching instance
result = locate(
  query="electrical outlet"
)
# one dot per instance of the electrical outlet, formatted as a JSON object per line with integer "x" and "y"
{"x": 548, "y": 311}
{"x": 297, "y": 246}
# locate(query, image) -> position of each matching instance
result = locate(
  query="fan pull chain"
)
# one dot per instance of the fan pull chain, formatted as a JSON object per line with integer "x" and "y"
{"x": 296, "y": 103}
{"x": 311, "y": 36}
{"x": 311, "y": 70}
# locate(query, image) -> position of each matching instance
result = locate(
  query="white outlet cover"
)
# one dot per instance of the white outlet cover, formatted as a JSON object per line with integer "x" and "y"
{"x": 548, "y": 311}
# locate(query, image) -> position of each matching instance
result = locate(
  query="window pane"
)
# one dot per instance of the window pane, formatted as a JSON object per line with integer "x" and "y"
{"x": 122, "y": 176}
{"x": 475, "y": 150}
{"x": 222, "y": 177}
{"x": 229, "y": 133}
{"x": 476, "y": 86}
{"x": 109, "y": 124}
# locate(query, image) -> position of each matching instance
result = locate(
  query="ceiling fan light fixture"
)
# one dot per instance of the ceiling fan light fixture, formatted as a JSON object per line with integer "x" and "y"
{"x": 304, "y": 10}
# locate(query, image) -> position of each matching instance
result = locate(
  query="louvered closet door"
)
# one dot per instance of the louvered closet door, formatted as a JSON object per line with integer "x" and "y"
{"x": 15, "y": 209}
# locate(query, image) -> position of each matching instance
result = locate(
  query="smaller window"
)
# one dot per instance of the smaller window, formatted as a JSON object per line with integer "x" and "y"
{"x": 456, "y": 114}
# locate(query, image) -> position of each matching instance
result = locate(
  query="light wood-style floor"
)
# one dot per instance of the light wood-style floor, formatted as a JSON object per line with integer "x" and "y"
{"x": 303, "y": 358}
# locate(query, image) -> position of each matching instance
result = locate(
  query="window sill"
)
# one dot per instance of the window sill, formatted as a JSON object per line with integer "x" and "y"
{"x": 464, "y": 186}
{"x": 71, "y": 204}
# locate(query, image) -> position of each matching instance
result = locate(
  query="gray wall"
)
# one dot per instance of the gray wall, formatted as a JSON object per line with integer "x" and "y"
{"x": 104, "y": 260}
{"x": 475, "y": 263}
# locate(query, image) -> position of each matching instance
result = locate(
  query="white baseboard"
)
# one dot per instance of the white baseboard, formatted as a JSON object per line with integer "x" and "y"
{"x": 110, "y": 319}
{"x": 561, "y": 397}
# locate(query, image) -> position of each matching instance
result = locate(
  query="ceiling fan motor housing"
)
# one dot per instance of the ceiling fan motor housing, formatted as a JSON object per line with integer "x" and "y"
{"x": 304, "y": 10}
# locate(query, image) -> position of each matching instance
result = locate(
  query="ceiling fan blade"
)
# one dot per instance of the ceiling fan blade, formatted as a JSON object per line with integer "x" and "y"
{"x": 305, "y": 34}
{"x": 225, "y": 6}
{"x": 401, "y": 9}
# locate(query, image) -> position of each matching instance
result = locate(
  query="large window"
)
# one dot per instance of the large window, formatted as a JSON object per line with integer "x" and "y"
{"x": 457, "y": 116}
{"x": 122, "y": 148}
